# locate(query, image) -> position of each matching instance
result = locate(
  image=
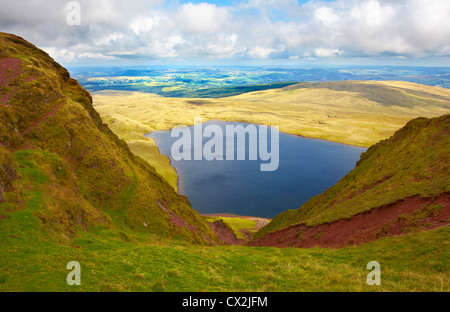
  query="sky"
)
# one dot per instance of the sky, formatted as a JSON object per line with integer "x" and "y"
{"x": 364, "y": 32}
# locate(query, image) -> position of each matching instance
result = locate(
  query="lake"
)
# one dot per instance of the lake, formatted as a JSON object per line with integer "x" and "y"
{"x": 307, "y": 167}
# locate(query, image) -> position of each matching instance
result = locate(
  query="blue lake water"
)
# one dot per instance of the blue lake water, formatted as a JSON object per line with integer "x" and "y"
{"x": 307, "y": 167}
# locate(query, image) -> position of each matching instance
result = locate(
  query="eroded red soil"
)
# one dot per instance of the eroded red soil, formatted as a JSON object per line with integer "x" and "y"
{"x": 9, "y": 69}
{"x": 224, "y": 233}
{"x": 228, "y": 236}
{"x": 43, "y": 119}
{"x": 409, "y": 215}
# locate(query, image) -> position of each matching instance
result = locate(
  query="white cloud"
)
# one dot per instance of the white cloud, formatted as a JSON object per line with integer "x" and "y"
{"x": 322, "y": 52}
{"x": 142, "y": 24}
{"x": 257, "y": 29}
{"x": 97, "y": 56}
{"x": 60, "y": 55}
{"x": 202, "y": 18}
{"x": 225, "y": 46}
{"x": 326, "y": 15}
{"x": 259, "y": 52}
{"x": 109, "y": 39}
{"x": 373, "y": 13}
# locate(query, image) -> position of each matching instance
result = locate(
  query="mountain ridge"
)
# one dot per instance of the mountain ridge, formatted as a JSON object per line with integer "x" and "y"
{"x": 53, "y": 137}
{"x": 412, "y": 165}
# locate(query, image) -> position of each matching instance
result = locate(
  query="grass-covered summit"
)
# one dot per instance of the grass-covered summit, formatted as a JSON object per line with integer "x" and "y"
{"x": 63, "y": 169}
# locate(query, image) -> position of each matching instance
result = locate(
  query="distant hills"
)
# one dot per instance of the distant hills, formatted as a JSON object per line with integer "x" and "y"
{"x": 222, "y": 81}
{"x": 352, "y": 112}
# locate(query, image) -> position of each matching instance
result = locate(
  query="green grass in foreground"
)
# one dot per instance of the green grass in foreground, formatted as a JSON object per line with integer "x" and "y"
{"x": 34, "y": 254}
{"x": 115, "y": 260}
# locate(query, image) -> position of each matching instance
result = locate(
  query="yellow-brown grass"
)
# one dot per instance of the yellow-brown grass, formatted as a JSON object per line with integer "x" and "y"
{"x": 358, "y": 112}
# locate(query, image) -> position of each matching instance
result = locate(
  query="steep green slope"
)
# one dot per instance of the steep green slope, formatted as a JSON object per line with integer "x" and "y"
{"x": 120, "y": 261}
{"x": 62, "y": 164}
{"x": 414, "y": 162}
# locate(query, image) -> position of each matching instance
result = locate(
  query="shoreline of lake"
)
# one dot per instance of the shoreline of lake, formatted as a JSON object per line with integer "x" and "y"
{"x": 310, "y": 170}
{"x": 147, "y": 135}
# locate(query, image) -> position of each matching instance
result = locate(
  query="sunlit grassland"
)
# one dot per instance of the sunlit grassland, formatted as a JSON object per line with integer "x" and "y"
{"x": 113, "y": 260}
{"x": 356, "y": 113}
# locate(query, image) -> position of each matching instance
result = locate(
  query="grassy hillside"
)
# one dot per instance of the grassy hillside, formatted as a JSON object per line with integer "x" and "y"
{"x": 71, "y": 190}
{"x": 352, "y": 112}
{"x": 127, "y": 259}
{"x": 124, "y": 260}
{"x": 412, "y": 163}
{"x": 61, "y": 164}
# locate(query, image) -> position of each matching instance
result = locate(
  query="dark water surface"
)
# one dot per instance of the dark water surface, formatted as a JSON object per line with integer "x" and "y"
{"x": 307, "y": 167}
